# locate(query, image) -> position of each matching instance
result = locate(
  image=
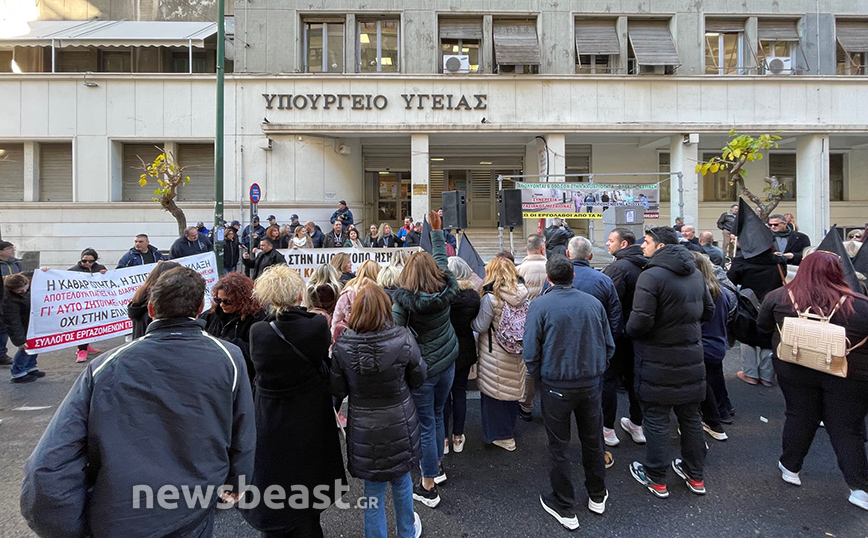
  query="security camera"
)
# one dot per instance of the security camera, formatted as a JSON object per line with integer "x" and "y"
{"x": 267, "y": 144}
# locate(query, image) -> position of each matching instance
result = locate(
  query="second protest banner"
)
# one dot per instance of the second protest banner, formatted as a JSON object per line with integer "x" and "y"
{"x": 586, "y": 200}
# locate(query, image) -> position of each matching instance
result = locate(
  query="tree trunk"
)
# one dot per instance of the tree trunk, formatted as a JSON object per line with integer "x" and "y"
{"x": 170, "y": 206}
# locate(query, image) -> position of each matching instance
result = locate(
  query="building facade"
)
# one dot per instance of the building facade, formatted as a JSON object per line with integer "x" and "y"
{"x": 388, "y": 105}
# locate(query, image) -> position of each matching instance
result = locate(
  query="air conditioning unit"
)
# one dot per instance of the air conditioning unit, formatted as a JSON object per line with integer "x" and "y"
{"x": 781, "y": 65}
{"x": 456, "y": 63}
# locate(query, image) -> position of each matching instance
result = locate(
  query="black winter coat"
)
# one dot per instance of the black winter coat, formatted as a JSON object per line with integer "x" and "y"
{"x": 759, "y": 274}
{"x": 232, "y": 328}
{"x": 388, "y": 241}
{"x": 79, "y": 268}
{"x": 557, "y": 239}
{"x": 464, "y": 308}
{"x": 412, "y": 239}
{"x": 377, "y": 371}
{"x": 624, "y": 272}
{"x": 16, "y": 316}
{"x": 263, "y": 261}
{"x": 138, "y": 313}
{"x": 183, "y": 247}
{"x": 231, "y": 254}
{"x": 796, "y": 243}
{"x": 670, "y": 302}
{"x": 297, "y": 440}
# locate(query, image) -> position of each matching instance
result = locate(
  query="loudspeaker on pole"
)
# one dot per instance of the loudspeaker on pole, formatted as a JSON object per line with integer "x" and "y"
{"x": 510, "y": 208}
{"x": 454, "y": 210}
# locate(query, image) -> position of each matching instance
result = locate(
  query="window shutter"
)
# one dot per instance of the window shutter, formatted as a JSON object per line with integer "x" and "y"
{"x": 652, "y": 43}
{"x": 597, "y": 37}
{"x": 578, "y": 160}
{"x": 436, "y": 186}
{"x": 469, "y": 157}
{"x": 853, "y": 36}
{"x": 394, "y": 158}
{"x": 461, "y": 29}
{"x": 516, "y": 43}
{"x": 131, "y": 191}
{"x": 197, "y": 160}
{"x": 55, "y": 172}
{"x": 12, "y": 173}
{"x": 777, "y": 30}
{"x": 724, "y": 26}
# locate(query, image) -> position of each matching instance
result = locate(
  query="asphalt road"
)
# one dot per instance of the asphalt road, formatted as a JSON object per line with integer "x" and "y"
{"x": 491, "y": 492}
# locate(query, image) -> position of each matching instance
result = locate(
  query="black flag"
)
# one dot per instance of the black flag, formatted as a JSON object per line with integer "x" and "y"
{"x": 833, "y": 243}
{"x": 754, "y": 237}
{"x": 467, "y": 253}
{"x": 425, "y": 240}
{"x": 860, "y": 261}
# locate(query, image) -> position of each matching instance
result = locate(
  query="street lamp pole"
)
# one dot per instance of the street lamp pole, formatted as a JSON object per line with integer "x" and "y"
{"x": 218, "y": 138}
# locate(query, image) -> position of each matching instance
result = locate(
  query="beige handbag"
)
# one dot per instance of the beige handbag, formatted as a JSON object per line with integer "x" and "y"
{"x": 810, "y": 340}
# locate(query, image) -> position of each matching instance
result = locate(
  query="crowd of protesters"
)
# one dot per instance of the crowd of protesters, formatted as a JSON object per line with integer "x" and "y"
{"x": 402, "y": 342}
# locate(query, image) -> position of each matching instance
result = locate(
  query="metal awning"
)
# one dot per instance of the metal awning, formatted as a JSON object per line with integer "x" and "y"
{"x": 62, "y": 34}
{"x": 652, "y": 43}
{"x": 853, "y": 36}
{"x": 597, "y": 37}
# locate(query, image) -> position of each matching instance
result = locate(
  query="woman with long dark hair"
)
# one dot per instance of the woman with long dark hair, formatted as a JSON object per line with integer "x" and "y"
{"x": 233, "y": 311}
{"x": 376, "y": 363}
{"x": 16, "y": 316}
{"x": 137, "y": 309}
{"x": 812, "y": 396}
{"x": 87, "y": 264}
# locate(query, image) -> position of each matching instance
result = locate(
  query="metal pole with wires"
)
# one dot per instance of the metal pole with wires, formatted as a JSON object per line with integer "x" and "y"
{"x": 218, "y": 138}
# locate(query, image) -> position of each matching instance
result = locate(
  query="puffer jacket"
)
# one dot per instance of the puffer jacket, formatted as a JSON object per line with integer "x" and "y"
{"x": 670, "y": 303}
{"x": 378, "y": 371}
{"x": 533, "y": 271}
{"x": 464, "y": 308}
{"x": 500, "y": 375}
{"x": 624, "y": 272}
{"x": 427, "y": 314}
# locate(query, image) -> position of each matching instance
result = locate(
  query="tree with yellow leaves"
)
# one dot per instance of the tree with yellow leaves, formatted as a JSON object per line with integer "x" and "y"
{"x": 739, "y": 151}
{"x": 170, "y": 177}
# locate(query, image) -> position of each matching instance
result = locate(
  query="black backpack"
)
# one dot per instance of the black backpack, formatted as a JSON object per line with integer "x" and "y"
{"x": 742, "y": 325}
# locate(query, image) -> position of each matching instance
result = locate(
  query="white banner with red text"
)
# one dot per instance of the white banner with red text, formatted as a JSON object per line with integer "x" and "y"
{"x": 306, "y": 260}
{"x": 69, "y": 308}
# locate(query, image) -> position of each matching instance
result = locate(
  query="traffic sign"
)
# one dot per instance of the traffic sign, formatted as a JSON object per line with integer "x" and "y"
{"x": 255, "y": 193}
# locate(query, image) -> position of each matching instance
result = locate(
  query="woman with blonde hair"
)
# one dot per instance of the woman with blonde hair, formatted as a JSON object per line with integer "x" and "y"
{"x": 400, "y": 257}
{"x": 344, "y": 264}
{"x": 367, "y": 272}
{"x": 422, "y": 304}
{"x": 297, "y": 443}
{"x": 322, "y": 291}
{"x": 790, "y": 219}
{"x": 377, "y": 363}
{"x": 501, "y": 373}
{"x": 388, "y": 279}
{"x": 300, "y": 239}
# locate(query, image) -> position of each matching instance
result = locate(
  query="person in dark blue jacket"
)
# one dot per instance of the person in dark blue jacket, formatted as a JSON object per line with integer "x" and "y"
{"x": 142, "y": 253}
{"x": 343, "y": 214}
{"x": 253, "y": 233}
{"x": 567, "y": 344}
{"x": 118, "y": 437}
{"x": 316, "y": 235}
{"x": 190, "y": 244}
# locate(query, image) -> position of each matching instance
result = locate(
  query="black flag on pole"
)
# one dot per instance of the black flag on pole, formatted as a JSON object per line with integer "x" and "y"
{"x": 833, "y": 243}
{"x": 425, "y": 240}
{"x": 467, "y": 253}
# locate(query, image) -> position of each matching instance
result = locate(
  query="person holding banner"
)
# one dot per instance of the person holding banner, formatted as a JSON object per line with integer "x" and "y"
{"x": 16, "y": 317}
{"x": 353, "y": 240}
{"x": 87, "y": 264}
{"x": 386, "y": 239}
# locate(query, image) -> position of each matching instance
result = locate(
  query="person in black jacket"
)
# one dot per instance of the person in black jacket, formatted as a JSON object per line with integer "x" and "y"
{"x": 337, "y": 237}
{"x": 377, "y": 363}
{"x": 87, "y": 264}
{"x": 297, "y": 442}
{"x": 172, "y": 409}
{"x": 414, "y": 236}
{"x": 463, "y": 310}
{"x": 231, "y": 251}
{"x": 233, "y": 311}
{"x": 386, "y": 238}
{"x": 557, "y": 237}
{"x": 190, "y": 244}
{"x": 265, "y": 258}
{"x": 689, "y": 239}
{"x": 624, "y": 272}
{"x": 137, "y": 309}
{"x": 726, "y": 224}
{"x": 16, "y": 316}
{"x": 788, "y": 243}
{"x": 670, "y": 302}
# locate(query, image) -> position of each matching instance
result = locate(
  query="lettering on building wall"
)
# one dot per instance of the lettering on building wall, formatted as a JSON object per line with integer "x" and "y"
{"x": 354, "y": 101}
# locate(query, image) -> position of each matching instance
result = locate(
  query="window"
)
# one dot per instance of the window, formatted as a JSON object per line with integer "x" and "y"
{"x": 724, "y": 50}
{"x": 393, "y": 197}
{"x": 6, "y": 61}
{"x": 777, "y": 39}
{"x": 652, "y": 49}
{"x": 852, "y": 49}
{"x": 516, "y": 47}
{"x": 55, "y": 172}
{"x": 198, "y": 163}
{"x": 181, "y": 62}
{"x": 12, "y": 172}
{"x": 460, "y": 37}
{"x": 836, "y": 177}
{"x": 75, "y": 61}
{"x": 783, "y": 167}
{"x": 597, "y": 46}
{"x": 131, "y": 170}
{"x": 324, "y": 47}
{"x": 115, "y": 61}
{"x": 663, "y": 167}
{"x": 716, "y": 186}
{"x": 377, "y": 45}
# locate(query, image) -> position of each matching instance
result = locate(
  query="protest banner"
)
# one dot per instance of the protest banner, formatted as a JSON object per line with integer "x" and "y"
{"x": 68, "y": 308}
{"x": 586, "y": 200}
{"x": 306, "y": 260}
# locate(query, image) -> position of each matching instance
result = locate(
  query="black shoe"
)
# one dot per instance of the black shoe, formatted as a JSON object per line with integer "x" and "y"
{"x": 5, "y": 360}
{"x": 567, "y": 518}
{"x": 526, "y": 416}
{"x": 441, "y": 477}
{"x": 726, "y": 419}
{"x": 26, "y": 378}
{"x": 38, "y": 373}
{"x": 428, "y": 497}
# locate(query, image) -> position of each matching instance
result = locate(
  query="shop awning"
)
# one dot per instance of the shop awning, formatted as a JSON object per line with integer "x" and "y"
{"x": 516, "y": 43}
{"x": 597, "y": 37}
{"x": 461, "y": 29}
{"x": 652, "y": 43}
{"x": 853, "y": 36}
{"x": 777, "y": 30}
{"x": 113, "y": 34}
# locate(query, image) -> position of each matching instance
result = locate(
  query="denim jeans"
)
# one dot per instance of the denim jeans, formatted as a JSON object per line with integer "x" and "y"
{"x": 456, "y": 403}
{"x": 657, "y": 447}
{"x": 22, "y": 364}
{"x": 402, "y": 497}
{"x": 558, "y": 407}
{"x": 757, "y": 362}
{"x": 430, "y": 399}
{"x": 498, "y": 418}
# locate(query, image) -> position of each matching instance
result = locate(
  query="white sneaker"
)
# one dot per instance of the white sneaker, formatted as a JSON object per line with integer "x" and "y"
{"x": 600, "y": 507}
{"x": 446, "y": 446}
{"x": 458, "y": 443}
{"x": 417, "y": 525}
{"x": 610, "y": 437}
{"x": 636, "y": 432}
{"x": 859, "y": 497}
{"x": 793, "y": 478}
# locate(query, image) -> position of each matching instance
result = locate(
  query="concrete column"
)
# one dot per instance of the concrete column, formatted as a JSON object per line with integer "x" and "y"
{"x": 812, "y": 185}
{"x": 31, "y": 171}
{"x": 621, "y": 28}
{"x": 751, "y": 29}
{"x": 685, "y": 192}
{"x": 487, "y": 44}
{"x": 419, "y": 174}
{"x": 350, "y": 65}
{"x": 557, "y": 144}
